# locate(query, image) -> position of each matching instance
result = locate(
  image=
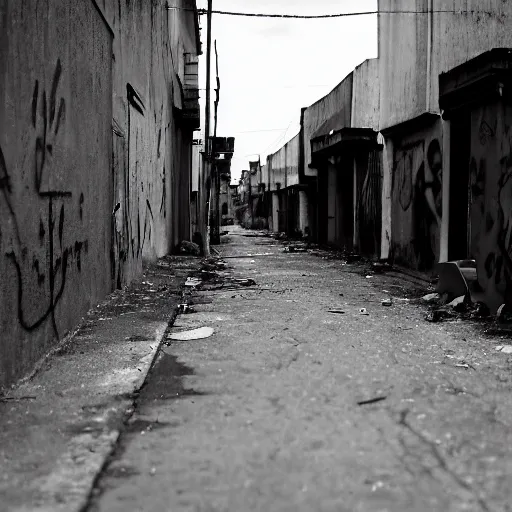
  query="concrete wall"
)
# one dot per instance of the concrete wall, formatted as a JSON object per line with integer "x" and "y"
{"x": 415, "y": 49}
{"x": 338, "y": 101}
{"x": 283, "y": 165}
{"x": 152, "y": 150}
{"x": 265, "y": 176}
{"x": 292, "y": 161}
{"x": 55, "y": 173}
{"x": 277, "y": 169}
{"x": 366, "y": 95}
{"x": 460, "y": 36}
{"x": 416, "y": 197}
{"x": 403, "y": 56}
{"x": 490, "y": 208}
{"x": 94, "y": 165}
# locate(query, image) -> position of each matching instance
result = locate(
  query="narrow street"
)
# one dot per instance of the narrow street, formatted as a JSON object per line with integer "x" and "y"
{"x": 289, "y": 407}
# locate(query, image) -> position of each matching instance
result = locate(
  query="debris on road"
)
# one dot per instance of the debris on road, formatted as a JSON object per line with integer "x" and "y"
{"x": 185, "y": 309}
{"x": 192, "y": 282}
{"x": 431, "y": 297}
{"x": 337, "y": 311}
{"x": 16, "y": 398}
{"x": 194, "y": 334}
{"x": 504, "y": 349}
{"x": 245, "y": 282}
{"x": 503, "y": 315}
{"x": 352, "y": 258}
{"x": 213, "y": 264}
{"x": 372, "y": 400}
{"x": 295, "y": 248}
{"x": 387, "y": 302}
{"x": 458, "y": 304}
{"x": 480, "y": 310}
{"x": 363, "y": 311}
{"x": 189, "y": 248}
{"x": 381, "y": 267}
{"x": 437, "y": 315}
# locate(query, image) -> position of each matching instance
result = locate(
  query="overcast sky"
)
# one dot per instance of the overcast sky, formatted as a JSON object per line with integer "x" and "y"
{"x": 271, "y": 68}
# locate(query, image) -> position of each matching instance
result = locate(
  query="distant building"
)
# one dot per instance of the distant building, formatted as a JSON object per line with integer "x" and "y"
{"x": 408, "y": 158}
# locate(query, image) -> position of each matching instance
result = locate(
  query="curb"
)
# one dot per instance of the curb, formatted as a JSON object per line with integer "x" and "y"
{"x": 59, "y": 428}
{"x": 72, "y": 481}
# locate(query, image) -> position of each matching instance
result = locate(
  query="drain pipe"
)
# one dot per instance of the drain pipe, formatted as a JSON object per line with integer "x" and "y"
{"x": 430, "y": 32}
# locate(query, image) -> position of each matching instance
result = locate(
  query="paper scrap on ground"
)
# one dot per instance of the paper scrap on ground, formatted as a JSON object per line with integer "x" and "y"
{"x": 506, "y": 349}
{"x": 194, "y": 334}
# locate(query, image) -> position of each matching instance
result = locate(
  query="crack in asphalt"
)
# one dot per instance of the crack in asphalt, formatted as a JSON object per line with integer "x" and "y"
{"x": 442, "y": 462}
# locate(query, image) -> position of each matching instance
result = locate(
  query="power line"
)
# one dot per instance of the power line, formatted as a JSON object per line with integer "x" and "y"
{"x": 326, "y": 16}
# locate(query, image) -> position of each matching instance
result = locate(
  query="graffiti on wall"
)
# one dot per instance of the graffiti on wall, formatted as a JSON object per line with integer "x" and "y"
{"x": 133, "y": 217}
{"x": 41, "y": 264}
{"x": 417, "y": 203}
{"x": 490, "y": 207}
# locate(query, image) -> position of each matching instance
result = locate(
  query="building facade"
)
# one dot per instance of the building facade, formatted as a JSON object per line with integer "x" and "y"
{"x": 98, "y": 104}
{"x": 407, "y": 150}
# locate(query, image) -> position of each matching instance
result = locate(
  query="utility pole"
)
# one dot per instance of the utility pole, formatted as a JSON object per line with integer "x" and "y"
{"x": 207, "y": 154}
{"x": 217, "y": 180}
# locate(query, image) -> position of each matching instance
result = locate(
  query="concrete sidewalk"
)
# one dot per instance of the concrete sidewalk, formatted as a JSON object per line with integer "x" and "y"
{"x": 58, "y": 428}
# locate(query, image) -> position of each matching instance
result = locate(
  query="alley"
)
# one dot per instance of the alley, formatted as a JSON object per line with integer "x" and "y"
{"x": 290, "y": 407}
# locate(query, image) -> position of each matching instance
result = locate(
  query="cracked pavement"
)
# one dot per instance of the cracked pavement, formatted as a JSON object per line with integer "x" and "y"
{"x": 288, "y": 407}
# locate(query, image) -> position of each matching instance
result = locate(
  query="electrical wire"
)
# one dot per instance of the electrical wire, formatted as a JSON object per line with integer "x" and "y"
{"x": 201, "y": 12}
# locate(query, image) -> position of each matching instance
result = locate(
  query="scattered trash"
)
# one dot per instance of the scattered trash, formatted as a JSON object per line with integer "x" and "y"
{"x": 194, "y": 334}
{"x": 16, "y": 398}
{"x": 438, "y": 315}
{"x": 480, "y": 310}
{"x": 377, "y": 485}
{"x": 465, "y": 365}
{"x": 368, "y": 277}
{"x": 185, "y": 309}
{"x": 431, "y": 297}
{"x": 192, "y": 281}
{"x": 381, "y": 267}
{"x": 295, "y": 248}
{"x": 245, "y": 282}
{"x": 351, "y": 258}
{"x": 189, "y": 248}
{"x": 387, "y": 302}
{"x": 458, "y": 304}
{"x": 363, "y": 311}
{"x": 372, "y": 400}
{"x": 503, "y": 315}
{"x": 337, "y": 311}
{"x": 504, "y": 349}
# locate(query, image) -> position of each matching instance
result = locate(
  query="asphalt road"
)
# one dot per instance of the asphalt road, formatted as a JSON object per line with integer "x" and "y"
{"x": 289, "y": 407}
